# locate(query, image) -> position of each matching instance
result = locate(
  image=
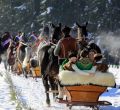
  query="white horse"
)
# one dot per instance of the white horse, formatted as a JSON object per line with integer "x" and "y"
{"x": 26, "y": 60}
{"x": 24, "y": 52}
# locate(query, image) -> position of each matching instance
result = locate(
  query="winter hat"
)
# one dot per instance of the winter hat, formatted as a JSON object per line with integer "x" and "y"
{"x": 66, "y": 30}
{"x": 46, "y": 30}
{"x": 72, "y": 54}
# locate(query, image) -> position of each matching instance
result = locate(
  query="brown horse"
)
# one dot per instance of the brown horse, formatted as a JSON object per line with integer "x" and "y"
{"x": 85, "y": 45}
{"x": 82, "y": 39}
{"x": 11, "y": 57}
{"x": 49, "y": 63}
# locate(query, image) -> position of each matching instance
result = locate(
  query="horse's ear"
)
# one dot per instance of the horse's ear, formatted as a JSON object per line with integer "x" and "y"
{"x": 43, "y": 24}
{"x": 60, "y": 25}
{"x": 86, "y": 23}
{"x": 53, "y": 25}
{"x": 78, "y": 24}
{"x": 65, "y": 26}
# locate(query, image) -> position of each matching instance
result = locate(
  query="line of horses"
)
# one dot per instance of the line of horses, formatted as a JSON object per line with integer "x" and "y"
{"x": 46, "y": 59}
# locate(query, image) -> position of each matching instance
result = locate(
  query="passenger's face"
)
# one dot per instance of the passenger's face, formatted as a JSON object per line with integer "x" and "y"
{"x": 73, "y": 59}
{"x": 91, "y": 55}
{"x": 20, "y": 33}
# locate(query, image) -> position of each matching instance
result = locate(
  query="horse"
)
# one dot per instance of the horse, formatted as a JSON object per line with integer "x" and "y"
{"x": 4, "y": 45}
{"x": 82, "y": 39}
{"x": 24, "y": 52}
{"x": 11, "y": 56}
{"x": 49, "y": 63}
{"x": 82, "y": 30}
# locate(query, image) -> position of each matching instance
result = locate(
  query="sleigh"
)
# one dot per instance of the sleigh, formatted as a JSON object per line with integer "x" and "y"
{"x": 36, "y": 71}
{"x": 84, "y": 90}
{"x": 20, "y": 70}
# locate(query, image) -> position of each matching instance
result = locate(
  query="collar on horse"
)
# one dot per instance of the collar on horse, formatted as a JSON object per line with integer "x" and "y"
{"x": 5, "y": 42}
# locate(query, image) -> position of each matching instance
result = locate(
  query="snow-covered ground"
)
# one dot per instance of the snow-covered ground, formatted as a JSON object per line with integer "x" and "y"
{"x": 31, "y": 94}
{"x": 5, "y": 99}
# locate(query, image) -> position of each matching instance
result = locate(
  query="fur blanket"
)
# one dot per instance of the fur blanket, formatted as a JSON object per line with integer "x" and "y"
{"x": 72, "y": 78}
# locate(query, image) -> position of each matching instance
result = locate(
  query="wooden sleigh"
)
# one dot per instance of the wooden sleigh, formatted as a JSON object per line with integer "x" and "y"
{"x": 84, "y": 95}
{"x": 36, "y": 72}
{"x": 88, "y": 89}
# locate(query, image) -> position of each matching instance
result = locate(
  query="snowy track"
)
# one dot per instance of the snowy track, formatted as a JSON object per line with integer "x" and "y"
{"x": 32, "y": 96}
{"x": 5, "y": 99}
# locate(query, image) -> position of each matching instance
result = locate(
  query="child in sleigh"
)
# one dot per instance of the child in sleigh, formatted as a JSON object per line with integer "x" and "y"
{"x": 86, "y": 66}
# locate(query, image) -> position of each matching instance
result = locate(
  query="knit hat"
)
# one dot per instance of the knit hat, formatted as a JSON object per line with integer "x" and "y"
{"x": 66, "y": 30}
{"x": 72, "y": 54}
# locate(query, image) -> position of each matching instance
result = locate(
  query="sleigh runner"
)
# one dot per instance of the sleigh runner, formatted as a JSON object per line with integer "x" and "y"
{"x": 84, "y": 95}
{"x": 84, "y": 91}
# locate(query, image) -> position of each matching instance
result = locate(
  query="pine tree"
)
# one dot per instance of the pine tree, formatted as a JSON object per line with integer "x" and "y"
{"x": 30, "y": 15}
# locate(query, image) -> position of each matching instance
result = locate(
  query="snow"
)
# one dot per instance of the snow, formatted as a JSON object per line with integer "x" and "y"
{"x": 21, "y": 7}
{"x": 32, "y": 25}
{"x": 5, "y": 99}
{"x": 43, "y": 1}
{"x": 95, "y": 10}
{"x": 43, "y": 13}
{"x": 32, "y": 94}
{"x": 98, "y": 25}
{"x": 48, "y": 10}
{"x": 86, "y": 8}
{"x": 109, "y": 1}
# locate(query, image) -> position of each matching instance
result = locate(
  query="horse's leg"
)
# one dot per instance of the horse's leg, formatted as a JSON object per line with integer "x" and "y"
{"x": 53, "y": 86}
{"x": 12, "y": 68}
{"x": 5, "y": 64}
{"x": 0, "y": 59}
{"x": 9, "y": 68}
{"x": 4, "y": 59}
{"x": 24, "y": 72}
{"x": 46, "y": 85}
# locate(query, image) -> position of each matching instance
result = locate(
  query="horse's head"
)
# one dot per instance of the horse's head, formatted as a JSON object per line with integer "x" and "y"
{"x": 82, "y": 33}
{"x": 74, "y": 31}
{"x": 5, "y": 41}
{"x": 5, "y": 36}
{"x": 82, "y": 29}
{"x": 45, "y": 33}
{"x": 46, "y": 30}
{"x": 56, "y": 33}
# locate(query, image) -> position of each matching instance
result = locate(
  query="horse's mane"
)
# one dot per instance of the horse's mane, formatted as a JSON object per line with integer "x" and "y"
{"x": 83, "y": 29}
{"x": 3, "y": 44}
{"x": 5, "y": 37}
